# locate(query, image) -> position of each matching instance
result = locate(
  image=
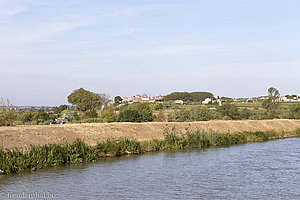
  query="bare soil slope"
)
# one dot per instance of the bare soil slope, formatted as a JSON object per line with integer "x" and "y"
{"x": 24, "y": 136}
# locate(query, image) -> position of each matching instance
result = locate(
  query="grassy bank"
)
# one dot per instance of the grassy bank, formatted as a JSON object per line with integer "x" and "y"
{"x": 19, "y": 160}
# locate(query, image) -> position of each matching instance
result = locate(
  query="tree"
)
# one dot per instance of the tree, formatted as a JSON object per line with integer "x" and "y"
{"x": 273, "y": 93}
{"x": 145, "y": 112}
{"x": 271, "y": 103}
{"x": 193, "y": 96}
{"x": 86, "y": 100}
{"x": 118, "y": 99}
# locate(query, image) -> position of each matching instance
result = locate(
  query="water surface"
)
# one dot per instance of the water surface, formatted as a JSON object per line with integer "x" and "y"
{"x": 269, "y": 170}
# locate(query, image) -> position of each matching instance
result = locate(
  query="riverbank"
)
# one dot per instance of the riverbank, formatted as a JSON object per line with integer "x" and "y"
{"x": 93, "y": 133}
{"x": 20, "y": 160}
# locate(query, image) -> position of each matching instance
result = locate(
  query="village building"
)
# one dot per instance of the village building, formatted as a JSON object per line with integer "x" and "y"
{"x": 142, "y": 99}
{"x": 207, "y": 100}
{"x": 178, "y": 102}
{"x": 285, "y": 99}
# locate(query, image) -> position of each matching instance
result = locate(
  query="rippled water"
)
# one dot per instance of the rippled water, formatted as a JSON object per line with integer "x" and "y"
{"x": 269, "y": 170}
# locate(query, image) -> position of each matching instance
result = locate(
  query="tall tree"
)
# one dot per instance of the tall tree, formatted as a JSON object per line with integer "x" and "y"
{"x": 271, "y": 103}
{"x": 86, "y": 100}
{"x": 273, "y": 94}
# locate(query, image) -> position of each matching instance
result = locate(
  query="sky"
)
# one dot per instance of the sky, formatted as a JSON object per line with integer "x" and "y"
{"x": 234, "y": 48}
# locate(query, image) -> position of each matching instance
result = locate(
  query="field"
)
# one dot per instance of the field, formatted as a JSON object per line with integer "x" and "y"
{"x": 255, "y": 108}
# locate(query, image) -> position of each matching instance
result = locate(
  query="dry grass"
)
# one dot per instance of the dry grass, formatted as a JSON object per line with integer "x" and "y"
{"x": 24, "y": 136}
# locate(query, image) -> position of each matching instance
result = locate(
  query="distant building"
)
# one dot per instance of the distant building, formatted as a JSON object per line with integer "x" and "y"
{"x": 207, "y": 100}
{"x": 142, "y": 99}
{"x": 285, "y": 99}
{"x": 178, "y": 101}
{"x": 220, "y": 102}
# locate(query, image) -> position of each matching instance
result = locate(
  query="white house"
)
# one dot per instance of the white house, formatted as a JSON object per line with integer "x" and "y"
{"x": 206, "y": 101}
{"x": 178, "y": 101}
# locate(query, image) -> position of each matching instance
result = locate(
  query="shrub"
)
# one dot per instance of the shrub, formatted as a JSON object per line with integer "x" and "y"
{"x": 158, "y": 106}
{"x": 129, "y": 115}
{"x": 91, "y": 114}
{"x": 179, "y": 116}
{"x": 161, "y": 117}
{"x": 229, "y": 110}
{"x": 109, "y": 115}
{"x": 7, "y": 114}
{"x": 202, "y": 113}
{"x": 27, "y": 116}
{"x": 199, "y": 113}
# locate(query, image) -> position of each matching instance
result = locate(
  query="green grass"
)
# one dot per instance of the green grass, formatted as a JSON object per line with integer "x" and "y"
{"x": 254, "y": 104}
{"x": 19, "y": 160}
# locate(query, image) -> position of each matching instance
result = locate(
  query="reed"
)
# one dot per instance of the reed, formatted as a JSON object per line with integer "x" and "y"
{"x": 19, "y": 160}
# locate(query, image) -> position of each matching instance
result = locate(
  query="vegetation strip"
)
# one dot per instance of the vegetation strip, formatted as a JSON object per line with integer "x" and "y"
{"x": 19, "y": 160}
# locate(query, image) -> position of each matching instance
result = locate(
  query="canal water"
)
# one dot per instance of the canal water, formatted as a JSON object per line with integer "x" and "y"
{"x": 267, "y": 170}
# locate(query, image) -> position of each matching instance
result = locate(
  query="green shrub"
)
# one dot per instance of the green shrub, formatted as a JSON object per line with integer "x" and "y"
{"x": 158, "y": 106}
{"x": 109, "y": 116}
{"x": 91, "y": 114}
{"x": 230, "y": 111}
{"x": 202, "y": 113}
{"x": 7, "y": 114}
{"x": 27, "y": 116}
{"x": 129, "y": 115}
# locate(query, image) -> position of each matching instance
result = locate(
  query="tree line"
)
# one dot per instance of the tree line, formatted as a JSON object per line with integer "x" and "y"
{"x": 191, "y": 97}
{"x": 93, "y": 107}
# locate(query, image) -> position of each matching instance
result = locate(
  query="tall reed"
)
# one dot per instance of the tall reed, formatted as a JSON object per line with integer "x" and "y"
{"x": 19, "y": 160}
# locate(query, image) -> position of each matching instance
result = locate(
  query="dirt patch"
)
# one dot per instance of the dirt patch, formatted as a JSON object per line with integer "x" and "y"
{"x": 24, "y": 136}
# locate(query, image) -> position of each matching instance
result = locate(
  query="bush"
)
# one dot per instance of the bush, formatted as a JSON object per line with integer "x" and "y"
{"x": 75, "y": 117}
{"x": 109, "y": 115}
{"x": 230, "y": 111}
{"x": 41, "y": 115}
{"x": 179, "y": 116}
{"x": 27, "y": 116}
{"x": 199, "y": 113}
{"x": 202, "y": 113}
{"x": 7, "y": 118}
{"x": 7, "y": 114}
{"x": 245, "y": 114}
{"x": 158, "y": 106}
{"x": 91, "y": 114}
{"x": 129, "y": 115}
{"x": 161, "y": 117}
{"x": 137, "y": 112}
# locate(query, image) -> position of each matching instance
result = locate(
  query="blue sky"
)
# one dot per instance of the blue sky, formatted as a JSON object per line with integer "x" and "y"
{"x": 235, "y": 48}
